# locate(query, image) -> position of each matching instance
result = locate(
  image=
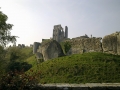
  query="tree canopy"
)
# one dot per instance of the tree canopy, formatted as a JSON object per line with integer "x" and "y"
{"x": 5, "y": 31}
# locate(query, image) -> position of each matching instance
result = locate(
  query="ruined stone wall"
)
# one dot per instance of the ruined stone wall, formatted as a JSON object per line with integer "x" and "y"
{"x": 85, "y": 45}
{"x": 109, "y": 44}
{"x": 118, "y": 43}
{"x": 51, "y": 48}
{"x": 35, "y": 47}
{"x": 59, "y": 34}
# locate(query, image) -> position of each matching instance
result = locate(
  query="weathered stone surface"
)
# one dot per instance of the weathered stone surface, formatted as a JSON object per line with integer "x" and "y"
{"x": 86, "y": 86}
{"x": 109, "y": 44}
{"x": 85, "y": 45}
{"x": 39, "y": 57}
{"x": 35, "y": 47}
{"x": 59, "y": 34}
{"x": 51, "y": 49}
{"x": 118, "y": 43}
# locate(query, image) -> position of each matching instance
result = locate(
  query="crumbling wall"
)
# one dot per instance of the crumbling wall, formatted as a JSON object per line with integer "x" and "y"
{"x": 39, "y": 57}
{"x": 35, "y": 47}
{"x": 58, "y": 33}
{"x": 85, "y": 45}
{"x": 50, "y": 49}
{"x": 111, "y": 43}
{"x": 118, "y": 43}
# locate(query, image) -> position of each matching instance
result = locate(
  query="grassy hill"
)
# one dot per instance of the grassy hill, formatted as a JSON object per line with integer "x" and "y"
{"x": 80, "y": 68}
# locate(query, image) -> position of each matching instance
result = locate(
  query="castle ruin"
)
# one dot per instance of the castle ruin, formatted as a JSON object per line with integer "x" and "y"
{"x": 82, "y": 44}
{"x": 59, "y": 34}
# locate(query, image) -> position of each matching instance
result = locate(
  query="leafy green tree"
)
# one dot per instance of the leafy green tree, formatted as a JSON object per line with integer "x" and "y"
{"x": 15, "y": 57}
{"x": 5, "y": 38}
{"x": 5, "y": 31}
{"x": 15, "y": 54}
{"x": 11, "y": 60}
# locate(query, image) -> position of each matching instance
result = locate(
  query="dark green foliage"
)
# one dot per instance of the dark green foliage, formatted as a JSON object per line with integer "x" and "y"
{"x": 12, "y": 74}
{"x": 2, "y": 53}
{"x": 18, "y": 54}
{"x": 3, "y": 62}
{"x": 12, "y": 59}
{"x": 5, "y": 38}
{"x": 16, "y": 57}
{"x": 65, "y": 46}
{"x": 18, "y": 66}
{"x": 18, "y": 80}
{"x": 15, "y": 54}
{"x": 81, "y": 68}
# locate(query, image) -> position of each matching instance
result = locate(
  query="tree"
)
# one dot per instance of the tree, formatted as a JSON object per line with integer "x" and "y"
{"x": 5, "y": 38}
{"x": 5, "y": 31}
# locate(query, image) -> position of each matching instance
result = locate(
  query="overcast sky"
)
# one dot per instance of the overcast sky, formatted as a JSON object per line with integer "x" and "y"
{"x": 34, "y": 19}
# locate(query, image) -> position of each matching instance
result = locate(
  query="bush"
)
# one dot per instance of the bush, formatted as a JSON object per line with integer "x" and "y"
{"x": 19, "y": 81}
{"x": 65, "y": 46}
{"x": 18, "y": 66}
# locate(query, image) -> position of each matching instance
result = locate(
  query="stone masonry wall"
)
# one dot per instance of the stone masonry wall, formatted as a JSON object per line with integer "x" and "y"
{"x": 109, "y": 44}
{"x": 118, "y": 43}
{"x": 85, "y": 45}
{"x": 50, "y": 49}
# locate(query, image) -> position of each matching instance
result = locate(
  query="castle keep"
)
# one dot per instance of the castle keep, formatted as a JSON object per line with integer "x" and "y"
{"x": 59, "y": 34}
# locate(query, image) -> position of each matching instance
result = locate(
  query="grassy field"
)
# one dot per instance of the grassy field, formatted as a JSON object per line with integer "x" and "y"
{"x": 80, "y": 68}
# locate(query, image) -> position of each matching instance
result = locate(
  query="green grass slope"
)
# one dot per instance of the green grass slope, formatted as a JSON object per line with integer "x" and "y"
{"x": 81, "y": 68}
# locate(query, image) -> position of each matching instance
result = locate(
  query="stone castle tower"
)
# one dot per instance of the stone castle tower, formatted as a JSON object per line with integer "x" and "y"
{"x": 66, "y": 32}
{"x": 59, "y": 34}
